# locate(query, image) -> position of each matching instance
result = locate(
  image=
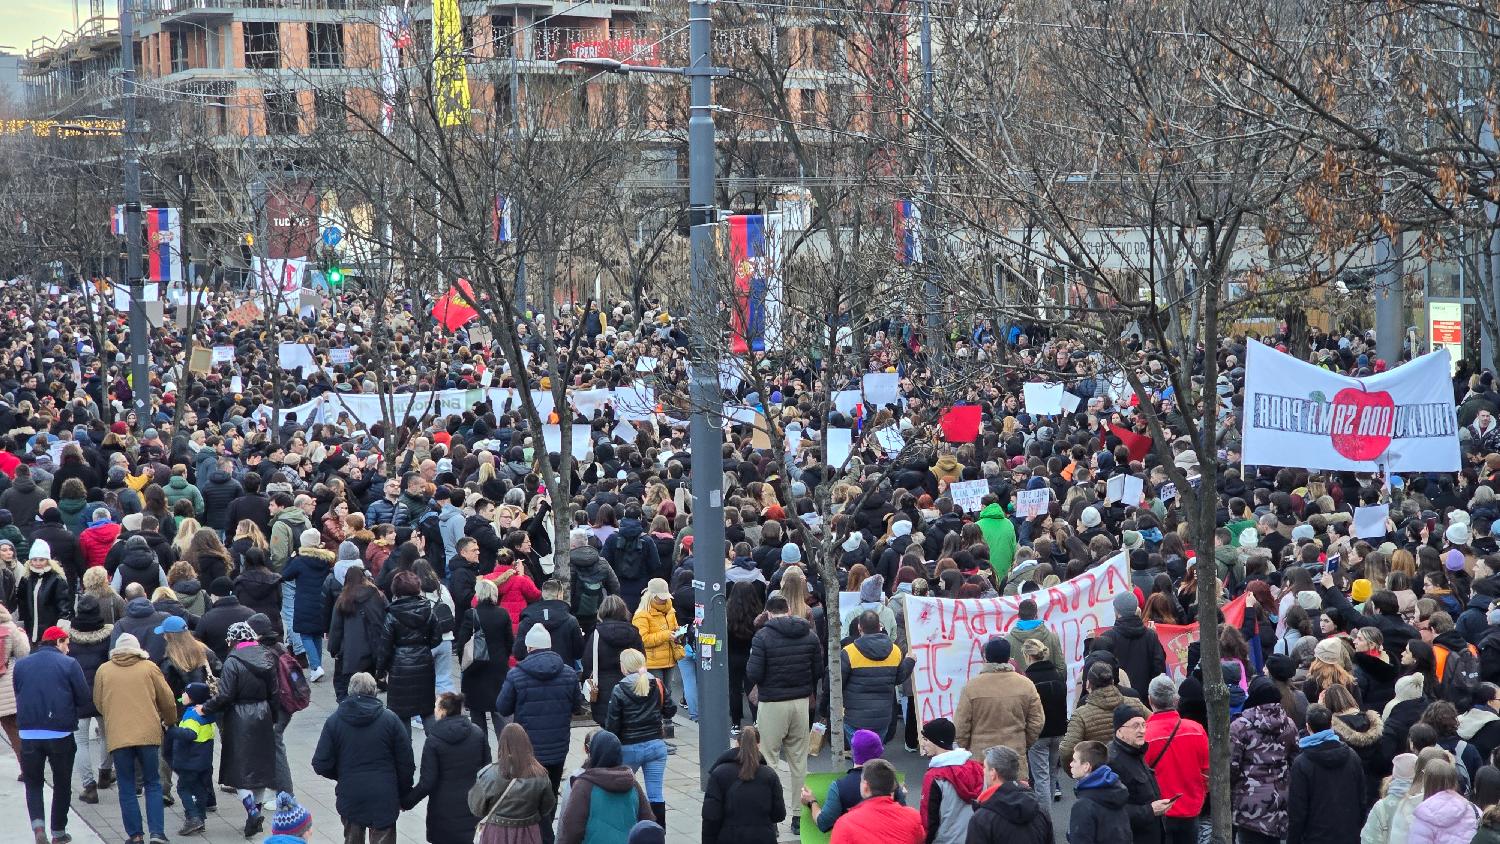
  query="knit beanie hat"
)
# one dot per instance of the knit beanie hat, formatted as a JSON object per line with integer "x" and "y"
{"x": 1309, "y": 600}
{"x": 865, "y": 745}
{"x": 538, "y": 639}
{"x": 290, "y": 818}
{"x": 997, "y": 650}
{"x": 1126, "y": 604}
{"x": 1124, "y": 713}
{"x": 941, "y": 732}
{"x": 1280, "y": 667}
{"x": 871, "y": 590}
{"x": 790, "y": 553}
{"x": 1329, "y": 651}
{"x": 196, "y": 692}
{"x": 238, "y": 632}
{"x": 1360, "y": 591}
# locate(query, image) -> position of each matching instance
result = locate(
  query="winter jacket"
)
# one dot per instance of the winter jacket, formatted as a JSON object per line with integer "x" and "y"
{"x": 1052, "y": 687}
{"x": 740, "y": 812}
{"x": 254, "y": 508}
{"x": 482, "y": 680}
{"x": 1377, "y": 828}
{"x": 950, "y": 785}
{"x": 178, "y": 489}
{"x": 1094, "y": 720}
{"x": 1099, "y": 816}
{"x": 1177, "y": 751}
{"x": 247, "y": 717}
{"x": 999, "y": 537}
{"x": 483, "y": 532}
{"x": 134, "y": 699}
{"x": 518, "y": 804}
{"x": 786, "y": 659}
{"x": 308, "y": 570}
{"x": 22, "y": 499}
{"x": 213, "y": 626}
{"x": 51, "y": 692}
{"x": 286, "y": 535}
{"x": 657, "y": 622}
{"x": 1444, "y": 818}
{"x": 567, "y": 636}
{"x": 407, "y": 636}
{"x": 1325, "y": 793}
{"x": 878, "y": 819}
{"x": 260, "y": 589}
{"x": 612, "y": 638}
{"x": 90, "y": 649}
{"x": 1361, "y": 731}
{"x": 872, "y": 667}
{"x": 1023, "y": 631}
{"x": 603, "y": 805}
{"x": 517, "y": 592}
{"x": 365, "y": 749}
{"x": 1473, "y": 622}
{"x": 452, "y": 755}
{"x": 74, "y": 515}
{"x": 141, "y": 620}
{"x": 1262, "y": 742}
{"x": 219, "y": 493}
{"x": 592, "y": 579}
{"x": 63, "y": 542}
{"x": 999, "y": 706}
{"x": 1009, "y": 814}
{"x": 1137, "y": 650}
{"x": 138, "y": 565}
{"x": 1129, "y": 764}
{"x": 42, "y": 600}
{"x": 1480, "y": 727}
{"x": 451, "y": 528}
{"x": 634, "y": 558}
{"x": 354, "y": 639}
{"x": 95, "y": 541}
{"x": 633, "y": 718}
{"x": 541, "y": 694}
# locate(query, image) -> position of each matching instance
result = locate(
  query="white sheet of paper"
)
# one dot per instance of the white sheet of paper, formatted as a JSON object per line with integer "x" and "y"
{"x": 1070, "y": 402}
{"x": 645, "y": 364}
{"x": 844, "y": 401}
{"x": 295, "y": 355}
{"x": 840, "y": 442}
{"x": 1126, "y": 489}
{"x": 1166, "y": 492}
{"x": 882, "y": 388}
{"x": 1031, "y": 503}
{"x": 969, "y": 495}
{"x": 223, "y": 354}
{"x": 1369, "y": 522}
{"x": 890, "y": 439}
{"x": 236, "y": 384}
{"x": 341, "y": 356}
{"x": 1043, "y": 399}
{"x": 625, "y": 432}
{"x": 487, "y": 378}
{"x": 740, "y": 414}
{"x": 552, "y": 438}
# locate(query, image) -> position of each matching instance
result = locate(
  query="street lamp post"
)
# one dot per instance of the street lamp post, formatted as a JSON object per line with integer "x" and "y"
{"x": 140, "y": 376}
{"x": 705, "y": 435}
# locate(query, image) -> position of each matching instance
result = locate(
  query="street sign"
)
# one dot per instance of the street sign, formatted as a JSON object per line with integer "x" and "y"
{"x": 332, "y": 235}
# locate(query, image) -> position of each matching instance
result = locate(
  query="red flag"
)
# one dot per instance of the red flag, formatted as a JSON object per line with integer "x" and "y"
{"x": 961, "y": 423}
{"x": 456, "y": 308}
{"x": 1138, "y": 445}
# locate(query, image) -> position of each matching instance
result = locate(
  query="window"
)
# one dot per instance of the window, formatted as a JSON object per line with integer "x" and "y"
{"x": 179, "y": 51}
{"x": 502, "y": 35}
{"x": 281, "y": 113}
{"x": 325, "y": 45}
{"x": 262, "y": 46}
{"x": 328, "y": 107}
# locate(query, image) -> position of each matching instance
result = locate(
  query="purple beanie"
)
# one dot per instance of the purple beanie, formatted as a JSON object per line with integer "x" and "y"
{"x": 865, "y": 745}
{"x": 1455, "y": 560}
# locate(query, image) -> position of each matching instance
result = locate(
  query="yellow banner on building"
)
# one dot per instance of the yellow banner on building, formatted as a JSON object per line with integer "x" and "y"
{"x": 449, "y": 71}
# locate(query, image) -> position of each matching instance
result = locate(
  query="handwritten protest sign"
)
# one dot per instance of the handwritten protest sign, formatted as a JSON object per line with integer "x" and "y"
{"x": 968, "y": 494}
{"x": 1031, "y": 503}
{"x": 1043, "y": 399}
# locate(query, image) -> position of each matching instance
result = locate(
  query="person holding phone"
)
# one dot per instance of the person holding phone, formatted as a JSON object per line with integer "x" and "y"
{"x": 1177, "y": 752}
{"x": 1127, "y": 758}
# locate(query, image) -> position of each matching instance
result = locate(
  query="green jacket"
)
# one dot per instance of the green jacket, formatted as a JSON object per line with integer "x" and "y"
{"x": 179, "y": 489}
{"x": 1000, "y": 536}
{"x": 1236, "y": 528}
{"x": 286, "y": 535}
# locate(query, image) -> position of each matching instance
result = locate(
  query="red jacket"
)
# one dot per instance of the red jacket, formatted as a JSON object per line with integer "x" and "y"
{"x": 94, "y": 542}
{"x": 878, "y": 820}
{"x": 8, "y": 463}
{"x": 1181, "y": 765}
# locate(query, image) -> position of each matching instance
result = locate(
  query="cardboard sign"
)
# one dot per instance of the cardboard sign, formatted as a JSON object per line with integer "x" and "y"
{"x": 244, "y": 314}
{"x": 201, "y": 361}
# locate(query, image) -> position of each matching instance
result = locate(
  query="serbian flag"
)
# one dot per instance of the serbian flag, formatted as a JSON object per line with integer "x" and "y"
{"x": 117, "y": 220}
{"x": 747, "y": 255}
{"x": 908, "y": 232}
{"x": 500, "y": 220}
{"x": 456, "y": 308}
{"x": 961, "y": 423}
{"x": 163, "y": 244}
{"x": 1138, "y": 445}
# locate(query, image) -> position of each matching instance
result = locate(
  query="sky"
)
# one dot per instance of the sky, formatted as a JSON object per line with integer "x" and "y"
{"x": 21, "y": 21}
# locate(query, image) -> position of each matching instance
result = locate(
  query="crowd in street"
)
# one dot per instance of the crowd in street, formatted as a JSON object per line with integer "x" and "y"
{"x": 176, "y": 586}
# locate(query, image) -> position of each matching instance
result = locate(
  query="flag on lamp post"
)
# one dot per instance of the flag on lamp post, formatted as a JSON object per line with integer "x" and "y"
{"x": 500, "y": 220}
{"x": 908, "y": 225}
{"x": 164, "y": 244}
{"x": 449, "y": 71}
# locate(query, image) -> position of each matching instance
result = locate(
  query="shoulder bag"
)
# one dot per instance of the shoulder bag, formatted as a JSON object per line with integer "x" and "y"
{"x": 591, "y": 683}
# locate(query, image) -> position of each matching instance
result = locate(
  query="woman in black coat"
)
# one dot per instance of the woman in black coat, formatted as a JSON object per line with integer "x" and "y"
{"x": 354, "y": 629}
{"x": 259, "y": 588}
{"x": 612, "y": 635}
{"x": 452, "y": 755}
{"x": 482, "y": 680}
{"x": 1052, "y": 688}
{"x": 247, "y": 720}
{"x": 407, "y": 638}
{"x": 743, "y": 803}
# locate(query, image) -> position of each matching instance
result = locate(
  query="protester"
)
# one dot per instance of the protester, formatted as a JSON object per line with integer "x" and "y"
{"x": 51, "y": 694}
{"x": 1099, "y": 816}
{"x": 1004, "y": 813}
{"x": 243, "y": 707}
{"x": 951, "y": 783}
{"x": 784, "y": 665}
{"x": 366, "y": 749}
{"x": 541, "y": 694}
{"x": 408, "y": 634}
{"x": 485, "y": 639}
{"x": 513, "y": 798}
{"x": 1177, "y": 753}
{"x": 355, "y": 630}
{"x": 88, "y": 645}
{"x": 1325, "y": 792}
{"x": 189, "y": 749}
{"x": 743, "y": 799}
{"x": 613, "y": 635}
{"x": 135, "y": 701}
{"x": 454, "y": 752}
{"x": 606, "y": 801}
{"x": 878, "y": 818}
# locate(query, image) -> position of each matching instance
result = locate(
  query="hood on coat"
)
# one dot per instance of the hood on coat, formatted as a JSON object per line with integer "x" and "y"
{"x": 257, "y": 656}
{"x": 875, "y": 646}
{"x": 139, "y": 608}
{"x": 454, "y": 729}
{"x": 1013, "y": 803}
{"x": 991, "y": 512}
{"x": 1326, "y": 754}
{"x": 1471, "y": 722}
{"x": 630, "y": 530}
{"x": 318, "y": 557}
{"x": 1358, "y": 729}
{"x": 412, "y": 611}
{"x": 789, "y": 626}
{"x": 1103, "y": 787}
{"x": 1446, "y": 809}
{"x": 617, "y": 780}
{"x": 583, "y": 558}
{"x": 342, "y": 567}
{"x": 550, "y": 614}
{"x": 543, "y": 665}
{"x": 361, "y": 710}
{"x": 1131, "y": 627}
{"x": 617, "y": 634}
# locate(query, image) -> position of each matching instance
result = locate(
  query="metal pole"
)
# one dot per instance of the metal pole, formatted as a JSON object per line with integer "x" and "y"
{"x": 140, "y": 375}
{"x": 1389, "y": 327}
{"x": 706, "y": 437}
{"x": 930, "y": 293}
{"x": 515, "y": 136}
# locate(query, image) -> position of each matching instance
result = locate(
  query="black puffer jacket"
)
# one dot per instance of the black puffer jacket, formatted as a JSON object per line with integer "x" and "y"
{"x": 260, "y": 590}
{"x": 1129, "y": 764}
{"x": 541, "y": 693}
{"x": 739, "y": 812}
{"x": 214, "y": 625}
{"x": 354, "y": 639}
{"x": 872, "y": 668}
{"x": 366, "y": 750}
{"x": 567, "y": 636}
{"x": 1137, "y": 651}
{"x": 138, "y": 564}
{"x": 452, "y": 755}
{"x": 219, "y": 491}
{"x": 613, "y": 638}
{"x": 1052, "y": 688}
{"x": 247, "y": 718}
{"x": 635, "y": 718}
{"x": 406, "y": 641}
{"x": 41, "y": 600}
{"x": 1011, "y": 815}
{"x": 786, "y": 659}
{"x": 91, "y": 650}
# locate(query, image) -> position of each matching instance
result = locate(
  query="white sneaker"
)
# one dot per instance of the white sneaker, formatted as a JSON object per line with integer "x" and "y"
{"x": 315, "y": 675}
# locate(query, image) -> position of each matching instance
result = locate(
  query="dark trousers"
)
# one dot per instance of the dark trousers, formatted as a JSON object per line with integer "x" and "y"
{"x": 196, "y": 790}
{"x": 554, "y": 773}
{"x": 36, "y": 755}
{"x": 1250, "y": 836}
{"x": 737, "y": 690}
{"x": 356, "y": 834}
{"x": 1179, "y": 830}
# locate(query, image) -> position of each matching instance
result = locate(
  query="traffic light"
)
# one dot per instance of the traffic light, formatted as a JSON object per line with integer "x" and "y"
{"x": 335, "y": 276}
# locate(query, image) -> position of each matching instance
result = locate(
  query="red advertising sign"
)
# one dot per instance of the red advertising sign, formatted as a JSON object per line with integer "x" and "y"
{"x": 627, "y": 50}
{"x": 1448, "y": 331}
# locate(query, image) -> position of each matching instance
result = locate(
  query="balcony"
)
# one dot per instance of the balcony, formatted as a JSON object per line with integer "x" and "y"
{"x": 185, "y": 10}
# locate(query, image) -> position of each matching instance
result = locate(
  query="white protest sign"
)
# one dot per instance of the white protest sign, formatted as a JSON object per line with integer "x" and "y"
{"x": 1070, "y": 402}
{"x": 236, "y": 384}
{"x": 1043, "y": 399}
{"x": 844, "y": 401}
{"x": 1369, "y": 522}
{"x": 1166, "y": 492}
{"x": 1297, "y": 414}
{"x": 882, "y": 388}
{"x": 1031, "y": 503}
{"x": 625, "y": 432}
{"x": 840, "y": 441}
{"x": 645, "y": 364}
{"x": 947, "y": 636}
{"x": 968, "y": 495}
{"x": 891, "y": 440}
{"x": 1126, "y": 489}
{"x": 223, "y": 354}
{"x": 295, "y": 356}
{"x": 341, "y": 356}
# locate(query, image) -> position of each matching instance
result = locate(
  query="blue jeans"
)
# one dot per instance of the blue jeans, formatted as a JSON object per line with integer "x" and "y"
{"x": 442, "y": 664}
{"x": 288, "y": 604}
{"x": 312, "y": 643}
{"x": 651, "y": 757}
{"x": 688, "y": 669}
{"x": 126, "y": 758}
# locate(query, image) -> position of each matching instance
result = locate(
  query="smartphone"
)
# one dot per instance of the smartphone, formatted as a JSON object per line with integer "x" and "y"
{"x": 1174, "y": 798}
{"x": 1333, "y": 563}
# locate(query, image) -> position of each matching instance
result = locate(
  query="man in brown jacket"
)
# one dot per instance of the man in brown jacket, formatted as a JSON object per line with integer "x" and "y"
{"x": 999, "y": 706}
{"x": 135, "y": 701}
{"x": 1094, "y": 719}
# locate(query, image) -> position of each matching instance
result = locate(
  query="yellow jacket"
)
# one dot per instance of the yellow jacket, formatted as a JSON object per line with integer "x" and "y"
{"x": 656, "y": 626}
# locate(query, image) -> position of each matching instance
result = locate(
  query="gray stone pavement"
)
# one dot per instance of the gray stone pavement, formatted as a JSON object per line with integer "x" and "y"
{"x": 93, "y": 824}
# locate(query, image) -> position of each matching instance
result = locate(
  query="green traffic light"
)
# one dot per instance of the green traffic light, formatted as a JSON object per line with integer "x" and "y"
{"x": 335, "y": 276}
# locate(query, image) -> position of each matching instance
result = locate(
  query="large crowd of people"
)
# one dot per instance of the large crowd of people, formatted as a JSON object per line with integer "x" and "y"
{"x": 182, "y": 583}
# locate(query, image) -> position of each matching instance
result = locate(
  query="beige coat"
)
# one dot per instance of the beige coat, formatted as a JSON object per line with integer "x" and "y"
{"x": 999, "y": 706}
{"x": 134, "y": 699}
{"x": 1094, "y": 720}
{"x": 16, "y": 647}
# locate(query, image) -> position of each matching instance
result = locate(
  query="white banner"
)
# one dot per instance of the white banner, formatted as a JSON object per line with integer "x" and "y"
{"x": 947, "y": 636}
{"x": 1297, "y": 414}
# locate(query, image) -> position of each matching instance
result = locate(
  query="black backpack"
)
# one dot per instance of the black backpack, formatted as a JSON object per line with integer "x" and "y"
{"x": 1461, "y": 681}
{"x": 590, "y": 594}
{"x": 632, "y": 562}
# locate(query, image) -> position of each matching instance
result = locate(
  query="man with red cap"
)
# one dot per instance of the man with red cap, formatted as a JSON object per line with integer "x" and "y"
{"x": 50, "y": 691}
